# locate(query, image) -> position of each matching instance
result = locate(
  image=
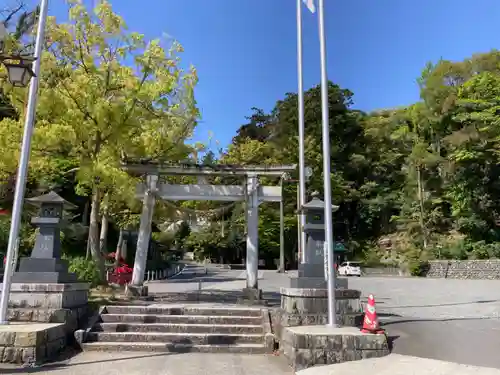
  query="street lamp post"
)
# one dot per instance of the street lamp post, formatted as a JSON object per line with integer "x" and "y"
{"x": 17, "y": 79}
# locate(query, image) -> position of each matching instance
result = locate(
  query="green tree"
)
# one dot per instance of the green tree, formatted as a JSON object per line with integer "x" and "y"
{"x": 105, "y": 94}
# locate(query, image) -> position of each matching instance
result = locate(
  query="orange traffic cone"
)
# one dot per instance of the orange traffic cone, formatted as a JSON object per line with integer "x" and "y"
{"x": 370, "y": 321}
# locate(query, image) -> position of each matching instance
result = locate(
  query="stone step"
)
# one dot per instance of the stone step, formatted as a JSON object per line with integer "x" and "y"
{"x": 181, "y": 319}
{"x": 176, "y": 338}
{"x": 184, "y": 310}
{"x": 243, "y": 348}
{"x": 178, "y": 328}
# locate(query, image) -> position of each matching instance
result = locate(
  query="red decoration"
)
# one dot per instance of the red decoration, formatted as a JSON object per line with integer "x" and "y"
{"x": 122, "y": 275}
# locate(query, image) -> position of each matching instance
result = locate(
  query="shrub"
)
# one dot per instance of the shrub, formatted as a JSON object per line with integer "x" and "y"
{"x": 85, "y": 269}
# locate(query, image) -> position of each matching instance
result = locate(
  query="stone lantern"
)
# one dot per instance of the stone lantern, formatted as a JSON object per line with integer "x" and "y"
{"x": 311, "y": 273}
{"x": 45, "y": 264}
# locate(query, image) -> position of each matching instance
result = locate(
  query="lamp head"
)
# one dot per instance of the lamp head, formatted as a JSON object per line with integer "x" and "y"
{"x": 20, "y": 72}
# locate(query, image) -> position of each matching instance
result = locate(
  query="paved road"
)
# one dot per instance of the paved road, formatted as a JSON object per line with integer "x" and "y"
{"x": 451, "y": 320}
{"x": 160, "y": 364}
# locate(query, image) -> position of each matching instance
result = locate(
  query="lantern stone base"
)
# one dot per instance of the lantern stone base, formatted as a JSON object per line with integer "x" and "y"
{"x": 32, "y": 305}
{"x": 44, "y": 271}
{"x": 304, "y": 307}
{"x": 316, "y": 283}
{"x": 48, "y": 296}
{"x": 308, "y": 346}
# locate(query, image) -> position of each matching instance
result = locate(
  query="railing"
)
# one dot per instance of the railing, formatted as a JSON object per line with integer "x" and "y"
{"x": 150, "y": 275}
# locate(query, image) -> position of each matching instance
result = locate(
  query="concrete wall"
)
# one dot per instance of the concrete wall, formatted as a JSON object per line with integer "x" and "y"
{"x": 465, "y": 269}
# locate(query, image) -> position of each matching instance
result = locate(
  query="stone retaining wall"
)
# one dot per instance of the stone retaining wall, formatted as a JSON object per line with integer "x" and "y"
{"x": 465, "y": 269}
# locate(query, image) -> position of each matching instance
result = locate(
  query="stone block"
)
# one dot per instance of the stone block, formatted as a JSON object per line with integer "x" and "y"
{"x": 49, "y": 296}
{"x": 315, "y": 282}
{"x": 29, "y": 343}
{"x": 7, "y": 338}
{"x": 33, "y": 338}
{"x": 315, "y": 301}
{"x": 308, "y": 346}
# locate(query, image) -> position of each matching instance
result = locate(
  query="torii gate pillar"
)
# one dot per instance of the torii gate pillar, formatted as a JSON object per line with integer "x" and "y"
{"x": 136, "y": 286}
{"x": 252, "y": 259}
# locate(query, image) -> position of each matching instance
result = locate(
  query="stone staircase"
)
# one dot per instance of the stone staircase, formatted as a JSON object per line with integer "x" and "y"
{"x": 181, "y": 329}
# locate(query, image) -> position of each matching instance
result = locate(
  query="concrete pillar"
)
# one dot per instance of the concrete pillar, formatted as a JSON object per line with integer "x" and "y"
{"x": 252, "y": 261}
{"x": 141, "y": 254}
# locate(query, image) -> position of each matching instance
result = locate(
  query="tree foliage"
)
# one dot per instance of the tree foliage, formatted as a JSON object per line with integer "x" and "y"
{"x": 106, "y": 93}
{"x": 423, "y": 177}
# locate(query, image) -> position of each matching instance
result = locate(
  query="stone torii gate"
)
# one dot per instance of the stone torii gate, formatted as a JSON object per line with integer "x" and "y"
{"x": 250, "y": 191}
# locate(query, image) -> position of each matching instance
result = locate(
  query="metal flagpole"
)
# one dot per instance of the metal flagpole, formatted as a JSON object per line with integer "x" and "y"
{"x": 326, "y": 167}
{"x": 22, "y": 171}
{"x": 302, "y": 177}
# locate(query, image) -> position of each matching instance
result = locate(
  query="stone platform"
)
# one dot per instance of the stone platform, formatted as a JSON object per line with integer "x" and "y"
{"x": 49, "y": 303}
{"x": 310, "y": 306}
{"x": 307, "y": 346}
{"x": 306, "y": 307}
{"x": 24, "y": 343}
{"x": 48, "y": 296}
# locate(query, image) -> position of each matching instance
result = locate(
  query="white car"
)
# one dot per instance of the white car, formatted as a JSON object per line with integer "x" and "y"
{"x": 350, "y": 269}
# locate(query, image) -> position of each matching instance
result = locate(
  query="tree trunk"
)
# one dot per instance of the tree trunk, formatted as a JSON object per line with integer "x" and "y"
{"x": 87, "y": 256}
{"x": 118, "y": 252}
{"x": 123, "y": 251}
{"x": 94, "y": 234}
{"x": 104, "y": 233}
{"x": 420, "y": 186}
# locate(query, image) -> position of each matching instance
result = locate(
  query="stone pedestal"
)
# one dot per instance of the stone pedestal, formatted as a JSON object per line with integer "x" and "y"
{"x": 49, "y": 303}
{"x": 31, "y": 343}
{"x": 43, "y": 271}
{"x": 311, "y": 282}
{"x": 304, "y": 307}
{"x": 310, "y": 306}
{"x": 48, "y": 296}
{"x": 308, "y": 346}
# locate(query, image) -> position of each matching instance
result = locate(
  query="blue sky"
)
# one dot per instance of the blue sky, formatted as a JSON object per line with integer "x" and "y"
{"x": 245, "y": 50}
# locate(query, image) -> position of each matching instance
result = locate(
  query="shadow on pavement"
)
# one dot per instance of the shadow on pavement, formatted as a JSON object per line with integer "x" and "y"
{"x": 390, "y": 341}
{"x": 181, "y": 346}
